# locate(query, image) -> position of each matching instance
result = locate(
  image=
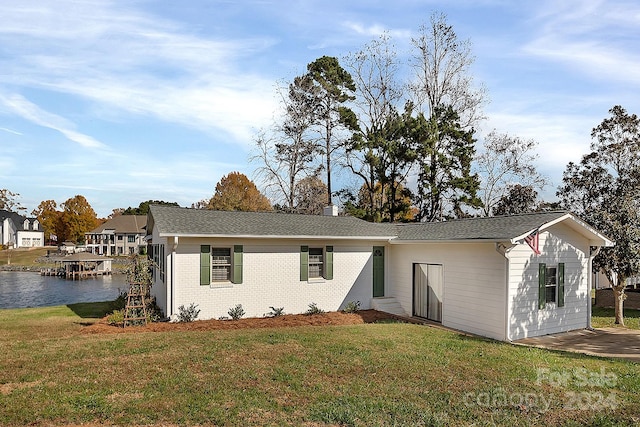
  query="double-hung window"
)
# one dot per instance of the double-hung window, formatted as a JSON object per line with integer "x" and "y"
{"x": 316, "y": 263}
{"x": 551, "y": 285}
{"x": 220, "y": 264}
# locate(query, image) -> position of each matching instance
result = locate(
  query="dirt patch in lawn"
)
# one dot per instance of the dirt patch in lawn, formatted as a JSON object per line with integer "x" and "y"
{"x": 289, "y": 320}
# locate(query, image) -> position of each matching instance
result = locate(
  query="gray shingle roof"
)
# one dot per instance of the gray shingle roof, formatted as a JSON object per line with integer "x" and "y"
{"x": 18, "y": 220}
{"x": 491, "y": 228}
{"x": 171, "y": 220}
{"x": 123, "y": 224}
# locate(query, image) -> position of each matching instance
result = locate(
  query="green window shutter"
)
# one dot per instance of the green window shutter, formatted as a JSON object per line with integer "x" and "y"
{"x": 542, "y": 281}
{"x": 304, "y": 263}
{"x": 328, "y": 263}
{"x": 561, "y": 284}
{"x": 205, "y": 265}
{"x": 237, "y": 264}
{"x": 378, "y": 271}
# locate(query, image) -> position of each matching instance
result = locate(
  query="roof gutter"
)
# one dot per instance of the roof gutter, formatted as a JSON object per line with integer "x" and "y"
{"x": 396, "y": 241}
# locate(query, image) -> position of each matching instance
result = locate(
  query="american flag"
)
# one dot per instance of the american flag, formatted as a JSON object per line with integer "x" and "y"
{"x": 533, "y": 241}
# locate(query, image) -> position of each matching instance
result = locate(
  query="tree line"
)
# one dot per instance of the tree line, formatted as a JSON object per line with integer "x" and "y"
{"x": 403, "y": 132}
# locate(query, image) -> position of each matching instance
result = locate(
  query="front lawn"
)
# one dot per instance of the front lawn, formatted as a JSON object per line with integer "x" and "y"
{"x": 52, "y": 372}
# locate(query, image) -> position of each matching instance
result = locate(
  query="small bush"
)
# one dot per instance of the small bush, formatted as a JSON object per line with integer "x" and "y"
{"x": 236, "y": 312}
{"x": 120, "y": 302}
{"x": 275, "y": 312}
{"x": 116, "y": 318}
{"x": 314, "y": 309}
{"x": 352, "y": 307}
{"x": 154, "y": 313}
{"x": 188, "y": 314}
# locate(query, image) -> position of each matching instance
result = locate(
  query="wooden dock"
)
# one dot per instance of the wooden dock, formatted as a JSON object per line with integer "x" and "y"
{"x": 80, "y": 266}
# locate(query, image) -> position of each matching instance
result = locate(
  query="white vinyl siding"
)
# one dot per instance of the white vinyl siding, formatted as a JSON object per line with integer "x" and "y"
{"x": 558, "y": 244}
{"x": 474, "y": 287}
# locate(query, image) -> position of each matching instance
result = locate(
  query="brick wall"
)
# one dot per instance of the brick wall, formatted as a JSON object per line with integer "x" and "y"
{"x": 604, "y": 298}
{"x": 271, "y": 277}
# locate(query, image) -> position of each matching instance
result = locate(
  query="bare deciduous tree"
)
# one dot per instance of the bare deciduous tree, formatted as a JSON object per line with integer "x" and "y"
{"x": 442, "y": 66}
{"x": 506, "y": 161}
{"x": 286, "y": 152}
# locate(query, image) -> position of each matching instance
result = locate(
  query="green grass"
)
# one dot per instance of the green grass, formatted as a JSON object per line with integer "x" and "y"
{"x": 605, "y": 318}
{"x": 25, "y": 257}
{"x": 365, "y": 375}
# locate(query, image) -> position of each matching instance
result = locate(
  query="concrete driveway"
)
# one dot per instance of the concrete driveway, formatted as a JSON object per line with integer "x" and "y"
{"x": 605, "y": 342}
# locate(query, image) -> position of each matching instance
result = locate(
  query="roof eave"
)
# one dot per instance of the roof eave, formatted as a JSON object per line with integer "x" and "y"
{"x": 595, "y": 238}
{"x": 273, "y": 236}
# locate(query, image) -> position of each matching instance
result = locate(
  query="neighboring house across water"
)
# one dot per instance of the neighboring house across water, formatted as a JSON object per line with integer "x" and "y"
{"x": 122, "y": 235}
{"x": 19, "y": 231}
{"x": 479, "y": 275}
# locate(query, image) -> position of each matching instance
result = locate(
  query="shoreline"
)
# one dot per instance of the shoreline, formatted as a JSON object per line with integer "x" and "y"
{"x": 29, "y": 269}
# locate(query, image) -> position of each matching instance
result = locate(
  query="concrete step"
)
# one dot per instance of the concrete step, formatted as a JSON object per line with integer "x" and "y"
{"x": 388, "y": 305}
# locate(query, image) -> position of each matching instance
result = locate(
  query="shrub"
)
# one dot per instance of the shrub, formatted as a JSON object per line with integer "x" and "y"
{"x": 116, "y": 318}
{"x": 352, "y": 307}
{"x": 121, "y": 301}
{"x": 275, "y": 312}
{"x": 314, "y": 309}
{"x": 188, "y": 314}
{"x": 154, "y": 313}
{"x": 236, "y": 312}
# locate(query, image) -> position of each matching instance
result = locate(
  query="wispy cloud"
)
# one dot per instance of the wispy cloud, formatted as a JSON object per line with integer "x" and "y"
{"x": 592, "y": 38}
{"x": 31, "y": 112}
{"x": 136, "y": 64}
{"x": 15, "y": 132}
{"x": 375, "y": 30}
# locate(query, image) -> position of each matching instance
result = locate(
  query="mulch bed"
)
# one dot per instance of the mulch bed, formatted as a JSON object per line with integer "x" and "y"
{"x": 289, "y": 320}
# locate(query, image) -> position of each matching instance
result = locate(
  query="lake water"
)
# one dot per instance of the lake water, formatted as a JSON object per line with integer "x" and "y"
{"x": 21, "y": 289}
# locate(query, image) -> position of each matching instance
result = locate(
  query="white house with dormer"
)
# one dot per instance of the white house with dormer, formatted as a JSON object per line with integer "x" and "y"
{"x": 505, "y": 278}
{"x": 18, "y": 231}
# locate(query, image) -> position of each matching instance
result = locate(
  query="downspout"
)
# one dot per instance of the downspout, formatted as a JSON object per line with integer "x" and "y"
{"x": 592, "y": 255}
{"x": 505, "y": 250}
{"x": 170, "y": 287}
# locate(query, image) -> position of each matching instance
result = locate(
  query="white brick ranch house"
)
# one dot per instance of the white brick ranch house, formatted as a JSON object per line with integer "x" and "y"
{"x": 476, "y": 275}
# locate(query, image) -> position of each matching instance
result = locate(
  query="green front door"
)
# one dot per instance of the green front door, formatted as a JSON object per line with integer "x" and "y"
{"x": 378, "y": 271}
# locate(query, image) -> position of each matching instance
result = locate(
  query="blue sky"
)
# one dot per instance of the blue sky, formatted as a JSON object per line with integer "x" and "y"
{"x": 125, "y": 101}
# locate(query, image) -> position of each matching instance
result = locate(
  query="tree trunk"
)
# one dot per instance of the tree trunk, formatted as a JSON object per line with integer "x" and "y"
{"x": 619, "y": 297}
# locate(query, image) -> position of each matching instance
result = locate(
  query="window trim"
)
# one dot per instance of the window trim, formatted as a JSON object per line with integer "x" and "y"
{"x": 316, "y": 264}
{"x": 228, "y": 264}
